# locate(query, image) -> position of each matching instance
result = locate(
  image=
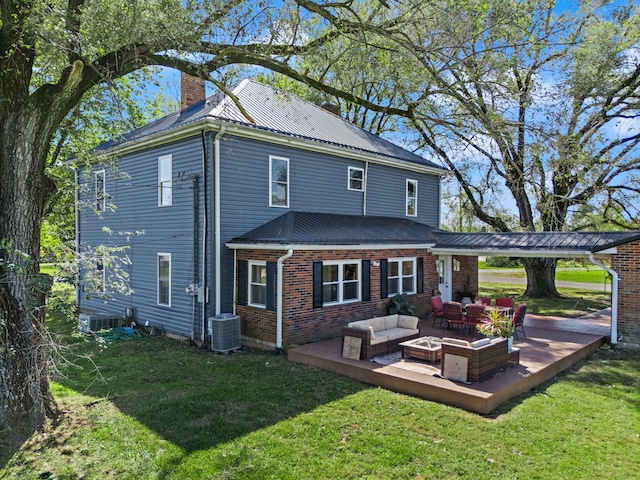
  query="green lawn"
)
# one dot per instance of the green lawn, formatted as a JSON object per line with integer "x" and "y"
{"x": 162, "y": 409}
{"x": 587, "y": 274}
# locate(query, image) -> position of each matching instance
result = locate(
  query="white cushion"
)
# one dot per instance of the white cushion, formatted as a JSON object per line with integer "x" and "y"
{"x": 407, "y": 321}
{"x": 391, "y": 321}
{"x": 377, "y": 323}
{"x": 481, "y": 342}
{"x": 497, "y": 339}
{"x": 455, "y": 341}
{"x": 379, "y": 339}
{"x": 396, "y": 333}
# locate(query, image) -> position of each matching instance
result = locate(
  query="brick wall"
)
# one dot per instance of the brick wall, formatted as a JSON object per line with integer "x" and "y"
{"x": 302, "y": 323}
{"x": 627, "y": 264}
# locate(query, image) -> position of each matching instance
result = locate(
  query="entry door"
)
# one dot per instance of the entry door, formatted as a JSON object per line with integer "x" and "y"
{"x": 444, "y": 277}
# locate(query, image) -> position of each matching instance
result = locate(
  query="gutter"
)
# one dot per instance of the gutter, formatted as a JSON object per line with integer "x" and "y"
{"x": 614, "y": 297}
{"x": 281, "y": 261}
{"x": 323, "y": 246}
{"x": 216, "y": 207}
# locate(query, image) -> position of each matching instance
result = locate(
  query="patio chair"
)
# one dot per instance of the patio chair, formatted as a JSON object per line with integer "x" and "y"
{"x": 453, "y": 314}
{"x": 485, "y": 300}
{"x": 518, "y": 319}
{"x": 504, "y": 302}
{"x": 437, "y": 310}
{"x": 476, "y": 314}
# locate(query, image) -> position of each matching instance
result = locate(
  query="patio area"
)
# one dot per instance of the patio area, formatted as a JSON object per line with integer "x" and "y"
{"x": 552, "y": 345}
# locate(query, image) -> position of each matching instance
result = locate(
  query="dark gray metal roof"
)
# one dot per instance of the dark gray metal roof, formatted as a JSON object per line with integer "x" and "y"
{"x": 303, "y": 228}
{"x": 535, "y": 241}
{"x": 278, "y": 112}
{"x": 330, "y": 229}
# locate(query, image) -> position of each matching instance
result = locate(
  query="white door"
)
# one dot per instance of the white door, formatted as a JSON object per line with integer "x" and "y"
{"x": 444, "y": 277}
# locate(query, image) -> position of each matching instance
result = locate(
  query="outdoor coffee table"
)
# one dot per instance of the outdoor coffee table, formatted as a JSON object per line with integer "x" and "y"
{"x": 423, "y": 348}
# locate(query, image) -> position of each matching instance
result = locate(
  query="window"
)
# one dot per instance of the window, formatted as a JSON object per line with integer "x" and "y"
{"x": 412, "y": 198}
{"x": 340, "y": 282}
{"x": 401, "y": 276}
{"x": 100, "y": 191}
{"x": 164, "y": 279}
{"x": 279, "y": 182}
{"x": 356, "y": 179}
{"x": 165, "y": 185}
{"x": 258, "y": 284}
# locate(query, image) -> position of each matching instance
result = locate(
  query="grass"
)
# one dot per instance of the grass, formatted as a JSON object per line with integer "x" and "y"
{"x": 581, "y": 274}
{"x": 162, "y": 409}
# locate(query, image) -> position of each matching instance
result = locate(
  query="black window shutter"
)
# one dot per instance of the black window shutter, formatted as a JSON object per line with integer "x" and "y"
{"x": 271, "y": 286}
{"x": 366, "y": 280}
{"x": 384, "y": 292}
{"x": 420, "y": 275}
{"x": 242, "y": 282}
{"x": 317, "y": 284}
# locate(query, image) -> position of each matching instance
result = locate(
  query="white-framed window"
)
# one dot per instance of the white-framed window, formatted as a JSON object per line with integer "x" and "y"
{"x": 258, "y": 284}
{"x": 165, "y": 180}
{"x": 278, "y": 182}
{"x": 412, "y": 198}
{"x": 164, "y": 279}
{"x": 356, "y": 179}
{"x": 100, "y": 191}
{"x": 340, "y": 281}
{"x": 401, "y": 276}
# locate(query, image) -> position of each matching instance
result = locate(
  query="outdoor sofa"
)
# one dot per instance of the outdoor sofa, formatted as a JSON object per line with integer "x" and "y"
{"x": 382, "y": 335}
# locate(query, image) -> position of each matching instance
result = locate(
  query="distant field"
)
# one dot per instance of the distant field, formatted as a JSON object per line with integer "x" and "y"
{"x": 591, "y": 274}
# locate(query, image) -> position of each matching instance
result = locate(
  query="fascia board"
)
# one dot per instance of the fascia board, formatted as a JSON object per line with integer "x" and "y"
{"x": 280, "y": 246}
{"x": 514, "y": 252}
{"x": 208, "y": 124}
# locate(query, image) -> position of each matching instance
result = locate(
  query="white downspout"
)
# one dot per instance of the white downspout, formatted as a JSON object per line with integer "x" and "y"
{"x": 216, "y": 208}
{"x": 281, "y": 261}
{"x": 76, "y": 211}
{"x": 364, "y": 195}
{"x": 614, "y": 298}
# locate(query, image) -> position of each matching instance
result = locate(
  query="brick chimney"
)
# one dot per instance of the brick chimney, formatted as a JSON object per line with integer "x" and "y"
{"x": 192, "y": 90}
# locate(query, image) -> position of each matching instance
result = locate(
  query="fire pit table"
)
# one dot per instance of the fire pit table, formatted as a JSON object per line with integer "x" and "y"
{"x": 423, "y": 348}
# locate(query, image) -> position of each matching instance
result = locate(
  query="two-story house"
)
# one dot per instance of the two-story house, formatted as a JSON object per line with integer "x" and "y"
{"x": 286, "y": 215}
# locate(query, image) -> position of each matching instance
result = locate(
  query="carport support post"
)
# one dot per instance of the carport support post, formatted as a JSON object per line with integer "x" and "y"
{"x": 614, "y": 298}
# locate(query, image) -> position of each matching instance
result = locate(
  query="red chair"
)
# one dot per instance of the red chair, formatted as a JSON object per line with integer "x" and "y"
{"x": 437, "y": 310}
{"x": 518, "y": 318}
{"x": 504, "y": 302}
{"x": 476, "y": 314}
{"x": 485, "y": 300}
{"x": 453, "y": 314}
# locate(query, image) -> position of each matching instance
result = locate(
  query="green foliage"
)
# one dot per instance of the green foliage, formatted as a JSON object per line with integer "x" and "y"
{"x": 497, "y": 324}
{"x": 400, "y": 304}
{"x": 507, "y": 262}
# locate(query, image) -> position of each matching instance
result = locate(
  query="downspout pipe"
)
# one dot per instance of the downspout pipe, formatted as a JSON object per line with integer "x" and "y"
{"x": 281, "y": 261}
{"x": 614, "y": 297}
{"x": 216, "y": 207}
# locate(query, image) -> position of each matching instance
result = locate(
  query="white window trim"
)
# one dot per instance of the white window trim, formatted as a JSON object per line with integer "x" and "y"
{"x": 340, "y": 282}
{"x": 158, "y": 279}
{"x": 400, "y": 276}
{"x": 103, "y": 206}
{"x": 271, "y": 159}
{"x": 415, "y": 203}
{"x": 351, "y": 169}
{"x": 251, "y": 302}
{"x": 167, "y": 183}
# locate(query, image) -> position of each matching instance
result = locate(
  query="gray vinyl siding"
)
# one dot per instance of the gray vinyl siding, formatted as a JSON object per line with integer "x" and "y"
{"x": 133, "y": 192}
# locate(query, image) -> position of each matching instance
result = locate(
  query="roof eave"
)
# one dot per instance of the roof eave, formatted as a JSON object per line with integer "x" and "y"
{"x": 325, "y": 246}
{"x": 519, "y": 252}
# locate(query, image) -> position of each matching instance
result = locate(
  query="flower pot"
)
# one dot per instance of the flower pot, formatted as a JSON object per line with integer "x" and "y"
{"x": 465, "y": 300}
{"x": 509, "y": 344}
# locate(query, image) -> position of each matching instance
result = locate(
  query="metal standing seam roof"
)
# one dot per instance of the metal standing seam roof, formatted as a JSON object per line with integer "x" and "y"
{"x": 279, "y": 112}
{"x": 303, "y": 228}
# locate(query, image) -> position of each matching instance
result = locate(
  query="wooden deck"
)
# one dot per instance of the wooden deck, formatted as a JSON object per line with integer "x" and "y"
{"x": 551, "y": 346}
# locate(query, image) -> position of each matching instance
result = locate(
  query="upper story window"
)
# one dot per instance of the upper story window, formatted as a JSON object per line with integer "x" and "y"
{"x": 278, "y": 182}
{"x": 401, "y": 276}
{"x": 412, "y": 198}
{"x": 356, "y": 179}
{"x": 100, "y": 191}
{"x": 164, "y": 279}
{"x": 165, "y": 182}
{"x": 258, "y": 284}
{"x": 340, "y": 281}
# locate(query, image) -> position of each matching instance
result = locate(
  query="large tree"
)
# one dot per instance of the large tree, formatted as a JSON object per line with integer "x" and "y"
{"x": 530, "y": 106}
{"x": 52, "y": 53}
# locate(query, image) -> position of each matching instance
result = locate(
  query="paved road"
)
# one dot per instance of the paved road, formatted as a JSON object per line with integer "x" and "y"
{"x": 492, "y": 276}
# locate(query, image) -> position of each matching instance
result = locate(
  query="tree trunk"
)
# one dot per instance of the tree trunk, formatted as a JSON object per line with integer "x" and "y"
{"x": 25, "y": 397}
{"x": 541, "y": 277}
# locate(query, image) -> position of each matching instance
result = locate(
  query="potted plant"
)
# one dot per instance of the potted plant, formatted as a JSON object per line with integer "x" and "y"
{"x": 466, "y": 293}
{"x": 497, "y": 325}
{"x": 400, "y": 304}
